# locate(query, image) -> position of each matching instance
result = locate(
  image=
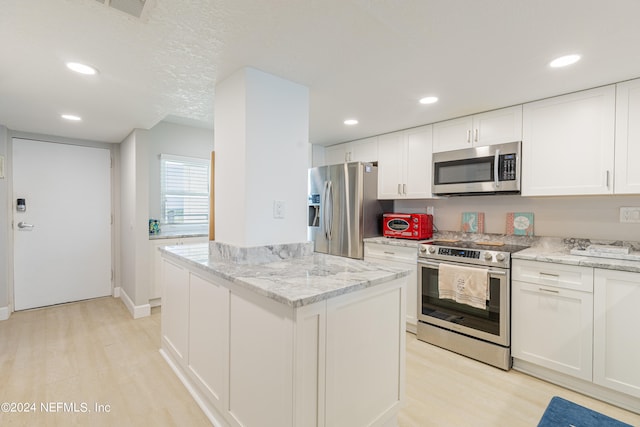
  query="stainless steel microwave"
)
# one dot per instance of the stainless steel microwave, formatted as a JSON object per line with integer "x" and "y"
{"x": 490, "y": 169}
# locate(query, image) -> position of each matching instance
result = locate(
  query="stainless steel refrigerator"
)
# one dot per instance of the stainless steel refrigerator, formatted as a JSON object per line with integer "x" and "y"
{"x": 343, "y": 208}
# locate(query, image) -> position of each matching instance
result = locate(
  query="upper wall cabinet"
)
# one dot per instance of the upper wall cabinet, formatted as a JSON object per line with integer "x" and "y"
{"x": 404, "y": 164}
{"x": 568, "y": 144}
{"x": 492, "y": 127}
{"x": 362, "y": 150}
{"x": 627, "y": 176}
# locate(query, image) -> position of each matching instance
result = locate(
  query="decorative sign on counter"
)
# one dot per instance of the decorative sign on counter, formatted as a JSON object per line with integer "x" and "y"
{"x": 473, "y": 222}
{"x": 520, "y": 223}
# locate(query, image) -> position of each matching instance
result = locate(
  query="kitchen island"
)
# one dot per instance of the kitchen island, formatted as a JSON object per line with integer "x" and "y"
{"x": 282, "y": 336}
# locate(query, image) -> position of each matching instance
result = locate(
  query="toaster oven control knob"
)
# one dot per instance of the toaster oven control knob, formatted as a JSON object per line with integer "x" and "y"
{"x": 500, "y": 257}
{"x": 423, "y": 249}
{"x": 488, "y": 256}
{"x": 432, "y": 250}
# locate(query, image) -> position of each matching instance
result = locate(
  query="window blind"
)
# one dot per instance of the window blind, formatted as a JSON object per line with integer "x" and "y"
{"x": 184, "y": 190}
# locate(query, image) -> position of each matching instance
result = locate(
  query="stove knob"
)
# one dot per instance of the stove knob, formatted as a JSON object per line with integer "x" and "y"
{"x": 432, "y": 250}
{"x": 500, "y": 257}
{"x": 423, "y": 249}
{"x": 488, "y": 256}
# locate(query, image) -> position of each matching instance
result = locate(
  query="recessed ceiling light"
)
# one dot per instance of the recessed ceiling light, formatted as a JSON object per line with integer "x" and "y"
{"x": 82, "y": 68}
{"x": 563, "y": 61}
{"x": 429, "y": 100}
{"x": 351, "y": 122}
{"x": 71, "y": 117}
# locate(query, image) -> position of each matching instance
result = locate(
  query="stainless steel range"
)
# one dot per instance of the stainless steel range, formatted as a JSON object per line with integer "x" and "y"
{"x": 464, "y": 299}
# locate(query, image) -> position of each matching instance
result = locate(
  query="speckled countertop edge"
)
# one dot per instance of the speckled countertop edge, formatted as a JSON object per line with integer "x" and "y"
{"x": 295, "y": 281}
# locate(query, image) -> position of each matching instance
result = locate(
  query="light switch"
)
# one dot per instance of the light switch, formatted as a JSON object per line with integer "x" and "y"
{"x": 278, "y": 209}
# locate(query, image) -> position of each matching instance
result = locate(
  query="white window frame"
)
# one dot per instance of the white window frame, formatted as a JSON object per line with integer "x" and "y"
{"x": 194, "y": 161}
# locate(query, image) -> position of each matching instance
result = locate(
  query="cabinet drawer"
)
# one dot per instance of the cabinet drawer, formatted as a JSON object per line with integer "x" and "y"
{"x": 552, "y": 274}
{"x": 391, "y": 252}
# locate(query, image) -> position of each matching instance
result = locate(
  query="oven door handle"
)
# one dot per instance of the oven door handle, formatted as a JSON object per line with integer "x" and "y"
{"x": 437, "y": 264}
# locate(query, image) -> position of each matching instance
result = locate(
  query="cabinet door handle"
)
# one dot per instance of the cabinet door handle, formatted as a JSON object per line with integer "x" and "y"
{"x": 549, "y": 275}
{"x": 399, "y": 188}
{"x": 475, "y": 135}
{"x": 552, "y": 291}
{"x": 404, "y": 189}
{"x": 389, "y": 253}
{"x": 468, "y": 135}
{"x": 607, "y": 178}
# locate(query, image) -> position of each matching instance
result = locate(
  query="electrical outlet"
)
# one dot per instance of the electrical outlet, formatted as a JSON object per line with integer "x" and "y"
{"x": 630, "y": 214}
{"x": 278, "y": 209}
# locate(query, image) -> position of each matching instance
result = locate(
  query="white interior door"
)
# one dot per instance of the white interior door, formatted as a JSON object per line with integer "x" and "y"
{"x": 62, "y": 240}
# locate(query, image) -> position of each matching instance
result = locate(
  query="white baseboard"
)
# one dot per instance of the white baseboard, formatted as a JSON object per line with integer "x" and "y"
{"x": 116, "y": 292}
{"x": 137, "y": 311}
{"x": 209, "y": 410}
{"x": 4, "y": 313}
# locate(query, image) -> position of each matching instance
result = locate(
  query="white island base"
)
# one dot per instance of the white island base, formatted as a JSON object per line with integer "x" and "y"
{"x": 249, "y": 360}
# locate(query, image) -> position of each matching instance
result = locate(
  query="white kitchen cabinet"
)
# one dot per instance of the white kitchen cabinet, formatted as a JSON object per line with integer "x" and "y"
{"x": 401, "y": 257}
{"x": 362, "y": 150}
{"x": 568, "y": 144}
{"x": 175, "y": 314}
{"x": 552, "y": 316}
{"x": 616, "y": 351}
{"x": 493, "y": 127}
{"x": 404, "y": 164}
{"x": 250, "y": 360}
{"x": 627, "y": 151}
{"x": 209, "y": 336}
{"x": 155, "y": 264}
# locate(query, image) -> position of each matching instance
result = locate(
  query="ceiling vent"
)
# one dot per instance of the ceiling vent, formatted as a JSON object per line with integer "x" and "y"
{"x": 136, "y": 8}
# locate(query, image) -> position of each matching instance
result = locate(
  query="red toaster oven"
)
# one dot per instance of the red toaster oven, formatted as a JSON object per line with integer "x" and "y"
{"x": 407, "y": 226}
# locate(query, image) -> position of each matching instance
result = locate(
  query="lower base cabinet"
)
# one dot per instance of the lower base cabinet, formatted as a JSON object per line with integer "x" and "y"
{"x": 401, "y": 257}
{"x": 616, "y": 350}
{"x": 576, "y": 326}
{"x": 552, "y": 316}
{"x": 252, "y": 361}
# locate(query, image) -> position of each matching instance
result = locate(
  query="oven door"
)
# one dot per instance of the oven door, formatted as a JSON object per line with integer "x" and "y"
{"x": 489, "y": 324}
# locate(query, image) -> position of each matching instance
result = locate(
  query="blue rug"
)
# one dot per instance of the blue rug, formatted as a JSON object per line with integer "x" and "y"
{"x": 562, "y": 413}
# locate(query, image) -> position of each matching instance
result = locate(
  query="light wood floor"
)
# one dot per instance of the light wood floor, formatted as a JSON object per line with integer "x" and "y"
{"x": 92, "y": 352}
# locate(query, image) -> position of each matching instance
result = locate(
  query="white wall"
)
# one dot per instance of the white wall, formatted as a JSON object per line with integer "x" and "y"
{"x": 5, "y": 227}
{"x": 134, "y": 216}
{"x": 593, "y": 217}
{"x": 262, "y": 155}
{"x": 179, "y": 140}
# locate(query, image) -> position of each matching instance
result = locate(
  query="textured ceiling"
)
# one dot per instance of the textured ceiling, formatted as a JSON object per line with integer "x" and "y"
{"x": 369, "y": 59}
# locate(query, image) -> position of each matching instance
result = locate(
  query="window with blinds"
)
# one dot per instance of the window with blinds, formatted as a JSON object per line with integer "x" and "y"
{"x": 184, "y": 190}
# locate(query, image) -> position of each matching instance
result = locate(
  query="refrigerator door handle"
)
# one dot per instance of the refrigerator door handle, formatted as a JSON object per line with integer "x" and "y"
{"x": 329, "y": 207}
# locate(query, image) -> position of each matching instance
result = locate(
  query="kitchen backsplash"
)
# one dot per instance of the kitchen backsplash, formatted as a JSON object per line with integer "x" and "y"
{"x": 595, "y": 217}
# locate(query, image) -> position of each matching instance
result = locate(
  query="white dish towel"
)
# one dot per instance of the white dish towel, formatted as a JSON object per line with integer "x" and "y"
{"x": 465, "y": 285}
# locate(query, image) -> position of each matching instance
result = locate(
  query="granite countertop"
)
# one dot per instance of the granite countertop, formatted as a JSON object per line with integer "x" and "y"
{"x": 558, "y": 250}
{"x": 292, "y": 280}
{"x": 407, "y": 243}
{"x": 544, "y": 249}
{"x": 179, "y": 234}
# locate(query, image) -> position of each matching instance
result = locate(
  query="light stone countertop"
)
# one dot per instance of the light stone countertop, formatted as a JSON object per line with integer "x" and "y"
{"x": 407, "y": 243}
{"x": 558, "y": 250}
{"x": 178, "y": 234}
{"x": 543, "y": 249}
{"x": 292, "y": 280}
